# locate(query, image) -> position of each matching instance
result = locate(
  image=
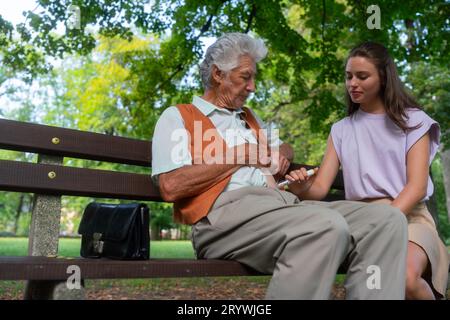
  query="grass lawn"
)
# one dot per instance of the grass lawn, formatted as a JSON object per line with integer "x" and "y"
{"x": 71, "y": 248}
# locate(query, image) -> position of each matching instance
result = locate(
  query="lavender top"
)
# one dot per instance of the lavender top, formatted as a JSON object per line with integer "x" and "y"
{"x": 372, "y": 151}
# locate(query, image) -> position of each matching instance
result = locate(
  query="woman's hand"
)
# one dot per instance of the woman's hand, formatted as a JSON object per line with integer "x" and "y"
{"x": 300, "y": 180}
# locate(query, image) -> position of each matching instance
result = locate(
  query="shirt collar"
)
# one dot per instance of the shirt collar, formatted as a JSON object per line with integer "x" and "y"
{"x": 207, "y": 107}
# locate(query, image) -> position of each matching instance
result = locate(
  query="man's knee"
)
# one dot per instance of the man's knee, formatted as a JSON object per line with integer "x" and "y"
{"x": 339, "y": 227}
{"x": 390, "y": 222}
{"x": 333, "y": 225}
{"x": 388, "y": 215}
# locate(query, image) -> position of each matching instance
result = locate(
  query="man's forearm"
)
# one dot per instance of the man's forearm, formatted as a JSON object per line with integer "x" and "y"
{"x": 192, "y": 180}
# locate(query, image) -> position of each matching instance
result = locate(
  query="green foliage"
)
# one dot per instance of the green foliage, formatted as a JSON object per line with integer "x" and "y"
{"x": 15, "y": 214}
{"x": 443, "y": 221}
{"x": 307, "y": 39}
{"x": 431, "y": 84}
{"x": 9, "y": 202}
{"x": 161, "y": 217}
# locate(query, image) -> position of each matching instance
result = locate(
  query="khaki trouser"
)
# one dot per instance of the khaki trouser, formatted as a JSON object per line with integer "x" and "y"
{"x": 303, "y": 243}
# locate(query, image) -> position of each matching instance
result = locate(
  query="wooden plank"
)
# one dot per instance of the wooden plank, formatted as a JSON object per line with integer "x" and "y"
{"x": 31, "y": 177}
{"x": 36, "y": 138}
{"x": 43, "y": 268}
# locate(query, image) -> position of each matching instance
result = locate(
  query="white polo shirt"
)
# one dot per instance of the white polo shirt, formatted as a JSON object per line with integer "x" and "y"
{"x": 170, "y": 149}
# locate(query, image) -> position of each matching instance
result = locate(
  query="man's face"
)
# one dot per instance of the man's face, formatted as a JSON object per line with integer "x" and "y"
{"x": 237, "y": 84}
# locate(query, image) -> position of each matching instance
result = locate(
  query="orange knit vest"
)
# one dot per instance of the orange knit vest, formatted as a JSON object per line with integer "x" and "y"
{"x": 192, "y": 209}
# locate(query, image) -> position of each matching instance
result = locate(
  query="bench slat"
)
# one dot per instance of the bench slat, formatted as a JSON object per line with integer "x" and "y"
{"x": 43, "y": 268}
{"x": 36, "y": 138}
{"x": 31, "y": 177}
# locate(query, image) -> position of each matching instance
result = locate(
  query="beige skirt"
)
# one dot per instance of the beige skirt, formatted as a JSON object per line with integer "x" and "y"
{"x": 422, "y": 231}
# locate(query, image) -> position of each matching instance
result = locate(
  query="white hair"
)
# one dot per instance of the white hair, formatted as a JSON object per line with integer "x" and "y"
{"x": 226, "y": 51}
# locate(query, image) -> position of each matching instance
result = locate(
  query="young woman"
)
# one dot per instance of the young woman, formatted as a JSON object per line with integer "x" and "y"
{"x": 385, "y": 147}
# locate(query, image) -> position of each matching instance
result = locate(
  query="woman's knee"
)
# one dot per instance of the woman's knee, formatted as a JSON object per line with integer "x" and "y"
{"x": 412, "y": 277}
{"x": 414, "y": 282}
{"x": 416, "y": 266}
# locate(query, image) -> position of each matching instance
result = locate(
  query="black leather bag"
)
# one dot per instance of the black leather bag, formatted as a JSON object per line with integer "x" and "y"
{"x": 115, "y": 231}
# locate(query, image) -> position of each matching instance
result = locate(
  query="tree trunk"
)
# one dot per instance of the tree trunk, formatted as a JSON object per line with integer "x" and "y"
{"x": 445, "y": 159}
{"x": 185, "y": 232}
{"x": 18, "y": 212}
{"x": 154, "y": 232}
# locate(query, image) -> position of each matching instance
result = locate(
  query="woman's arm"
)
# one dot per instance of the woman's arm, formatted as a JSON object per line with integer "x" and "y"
{"x": 316, "y": 187}
{"x": 417, "y": 167}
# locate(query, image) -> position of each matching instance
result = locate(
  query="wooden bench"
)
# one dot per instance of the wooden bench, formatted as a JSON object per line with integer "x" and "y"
{"x": 48, "y": 179}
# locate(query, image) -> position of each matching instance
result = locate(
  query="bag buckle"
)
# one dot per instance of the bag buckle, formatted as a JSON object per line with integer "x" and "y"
{"x": 98, "y": 245}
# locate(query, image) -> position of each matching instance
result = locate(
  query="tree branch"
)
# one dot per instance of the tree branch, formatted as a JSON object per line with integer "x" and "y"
{"x": 181, "y": 66}
{"x": 323, "y": 25}
{"x": 250, "y": 18}
{"x": 278, "y": 107}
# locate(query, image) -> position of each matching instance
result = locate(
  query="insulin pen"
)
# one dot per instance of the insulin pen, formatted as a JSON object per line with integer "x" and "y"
{"x": 309, "y": 173}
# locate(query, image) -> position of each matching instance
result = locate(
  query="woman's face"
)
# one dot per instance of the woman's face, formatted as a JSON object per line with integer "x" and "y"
{"x": 362, "y": 80}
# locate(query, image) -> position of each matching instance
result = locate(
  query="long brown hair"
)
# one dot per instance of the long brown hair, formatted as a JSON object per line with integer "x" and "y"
{"x": 392, "y": 91}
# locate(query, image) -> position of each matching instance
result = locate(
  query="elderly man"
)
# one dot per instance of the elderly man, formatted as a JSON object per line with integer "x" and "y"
{"x": 205, "y": 162}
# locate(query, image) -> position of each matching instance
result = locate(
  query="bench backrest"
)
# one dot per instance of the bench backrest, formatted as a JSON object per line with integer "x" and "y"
{"x": 49, "y": 179}
{"x": 54, "y": 179}
{"x": 59, "y": 180}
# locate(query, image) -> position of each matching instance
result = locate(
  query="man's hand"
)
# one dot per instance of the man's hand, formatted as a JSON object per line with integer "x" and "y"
{"x": 279, "y": 165}
{"x": 277, "y": 161}
{"x": 287, "y": 154}
{"x": 284, "y": 164}
{"x": 250, "y": 154}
